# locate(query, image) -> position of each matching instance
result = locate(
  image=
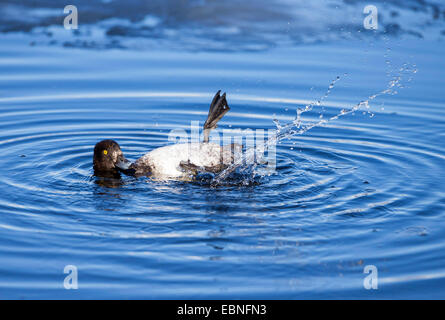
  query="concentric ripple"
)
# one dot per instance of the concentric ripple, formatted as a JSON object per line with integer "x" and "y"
{"x": 357, "y": 191}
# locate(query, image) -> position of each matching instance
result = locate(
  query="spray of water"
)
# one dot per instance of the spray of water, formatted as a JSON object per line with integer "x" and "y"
{"x": 296, "y": 127}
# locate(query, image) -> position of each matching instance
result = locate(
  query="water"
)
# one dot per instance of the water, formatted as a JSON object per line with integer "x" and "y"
{"x": 361, "y": 189}
{"x": 296, "y": 127}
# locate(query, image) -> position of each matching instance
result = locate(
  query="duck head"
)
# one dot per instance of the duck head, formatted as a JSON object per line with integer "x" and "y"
{"x": 109, "y": 159}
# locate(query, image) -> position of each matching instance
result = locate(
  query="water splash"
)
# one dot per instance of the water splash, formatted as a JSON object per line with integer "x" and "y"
{"x": 297, "y": 127}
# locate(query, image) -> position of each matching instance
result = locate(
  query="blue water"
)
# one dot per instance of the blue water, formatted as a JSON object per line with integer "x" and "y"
{"x": 365, "y": 189}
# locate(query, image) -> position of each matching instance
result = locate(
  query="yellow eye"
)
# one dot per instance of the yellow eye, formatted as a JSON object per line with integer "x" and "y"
{"x": 105, "y": 152}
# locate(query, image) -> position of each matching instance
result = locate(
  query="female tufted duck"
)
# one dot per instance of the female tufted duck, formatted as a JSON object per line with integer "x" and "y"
{"x": 173, "y": 161}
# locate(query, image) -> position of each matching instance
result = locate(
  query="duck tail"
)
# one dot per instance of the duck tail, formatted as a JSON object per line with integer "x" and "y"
{"x": 218, "y": 108}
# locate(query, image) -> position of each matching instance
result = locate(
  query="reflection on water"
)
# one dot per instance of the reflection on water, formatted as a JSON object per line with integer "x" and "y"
{"x": 112, "y": 181}
{"x": 219, "y": 25}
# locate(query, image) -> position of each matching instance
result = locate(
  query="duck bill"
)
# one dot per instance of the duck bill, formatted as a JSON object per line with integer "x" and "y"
{"x": 123, "y": 164}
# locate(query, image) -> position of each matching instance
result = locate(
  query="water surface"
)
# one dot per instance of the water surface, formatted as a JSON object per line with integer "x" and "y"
{"x": 365, "y": 189}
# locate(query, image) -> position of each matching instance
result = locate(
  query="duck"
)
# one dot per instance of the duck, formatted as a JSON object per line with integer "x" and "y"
{"x": 172, "y": 161}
